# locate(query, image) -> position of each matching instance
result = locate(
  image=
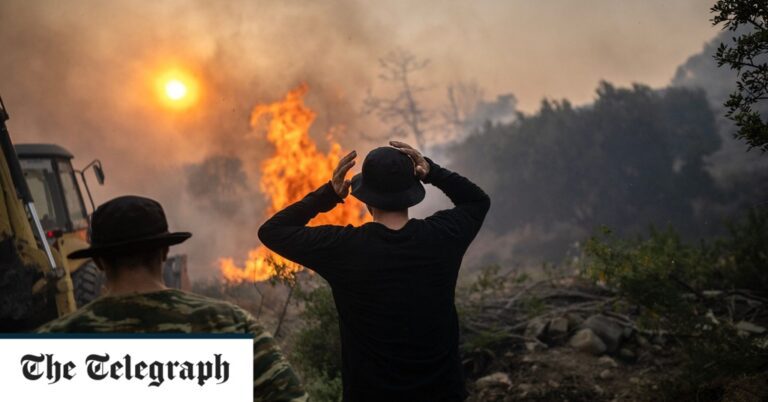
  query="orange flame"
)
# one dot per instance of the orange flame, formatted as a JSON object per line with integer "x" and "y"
{"x": 295, "y": 169}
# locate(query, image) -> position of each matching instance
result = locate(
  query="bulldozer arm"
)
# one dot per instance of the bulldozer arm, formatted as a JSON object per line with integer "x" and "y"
{"x": 25, "y": 268}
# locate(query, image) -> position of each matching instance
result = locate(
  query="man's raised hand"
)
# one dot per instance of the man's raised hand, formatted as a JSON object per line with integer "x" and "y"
{"x": 338, "y": 181}
{"x": 420, "y": 165}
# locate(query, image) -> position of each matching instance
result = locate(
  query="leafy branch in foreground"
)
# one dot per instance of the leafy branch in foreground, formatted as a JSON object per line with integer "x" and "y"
{"x": 746, "y": 55}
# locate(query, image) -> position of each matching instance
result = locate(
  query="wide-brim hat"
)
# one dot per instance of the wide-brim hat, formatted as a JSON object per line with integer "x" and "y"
{"x": 129, "y": 224}
{"x": 387, "y": 181}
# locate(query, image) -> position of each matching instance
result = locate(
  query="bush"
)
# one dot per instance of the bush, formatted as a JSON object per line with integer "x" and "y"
{"x": 745, "y": 252}
{"x": 688, "y": 291}
{"x": 324, "y": 389}
{"x": 316, "y": 348}
{"x": 657, "y": 273}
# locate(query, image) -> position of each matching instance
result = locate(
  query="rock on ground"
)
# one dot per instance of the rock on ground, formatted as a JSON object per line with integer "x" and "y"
{"x": 587, "y": 341}
{"x": 609, "y": 330}
{"x": 750, "y": 328}
{"x": 494, "y": 379}
{"x": 557, "y": 328}
{"x": 536, "y": 329}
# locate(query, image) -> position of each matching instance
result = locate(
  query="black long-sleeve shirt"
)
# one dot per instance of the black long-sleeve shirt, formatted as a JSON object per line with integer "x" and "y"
{"x": 393, "y": 289}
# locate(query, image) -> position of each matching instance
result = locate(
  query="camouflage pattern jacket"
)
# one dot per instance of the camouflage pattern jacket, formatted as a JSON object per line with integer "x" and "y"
{"x": 175, "y": 311}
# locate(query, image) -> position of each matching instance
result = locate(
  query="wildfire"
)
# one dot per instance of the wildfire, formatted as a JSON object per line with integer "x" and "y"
{"x": 296, "y": 168}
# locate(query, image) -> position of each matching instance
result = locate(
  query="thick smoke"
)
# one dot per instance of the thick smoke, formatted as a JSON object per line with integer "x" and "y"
{"x": 80, "y": 74}
{"x": 220, "y": 184}
{"x": 701, "y": 71}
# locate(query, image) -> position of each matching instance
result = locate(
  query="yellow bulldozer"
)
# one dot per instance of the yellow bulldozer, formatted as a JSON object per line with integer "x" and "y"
{"x": 54, "y": 187}
{"x": 35, "y": 285}
{"x": 43, "y": 218}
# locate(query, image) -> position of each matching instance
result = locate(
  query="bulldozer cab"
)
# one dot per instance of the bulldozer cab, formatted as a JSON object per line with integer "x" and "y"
{"x": 59, "y": 200}
{"x": 36, "y": 282}
{"x": 53, "y": 184}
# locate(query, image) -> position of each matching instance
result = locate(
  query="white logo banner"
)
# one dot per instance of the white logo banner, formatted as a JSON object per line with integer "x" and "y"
{"x": 91, "y": 368}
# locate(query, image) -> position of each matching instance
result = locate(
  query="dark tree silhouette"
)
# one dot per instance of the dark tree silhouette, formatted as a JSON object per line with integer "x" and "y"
{"x": 633, "y": 158}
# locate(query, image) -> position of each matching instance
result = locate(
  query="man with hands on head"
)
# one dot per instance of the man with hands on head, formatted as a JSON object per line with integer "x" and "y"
{"x": 393, "y": 279}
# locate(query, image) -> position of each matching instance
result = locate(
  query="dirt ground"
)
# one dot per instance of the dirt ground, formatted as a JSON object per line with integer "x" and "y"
{"x": 564, "y": 374}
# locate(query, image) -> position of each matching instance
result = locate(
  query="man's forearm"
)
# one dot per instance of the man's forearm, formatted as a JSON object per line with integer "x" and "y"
{"x": 459, "y": 189}
{"x": 298, "y": 214}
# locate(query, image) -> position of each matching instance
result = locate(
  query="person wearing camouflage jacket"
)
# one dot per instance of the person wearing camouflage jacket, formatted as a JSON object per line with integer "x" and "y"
{"x": 129, "y": 241}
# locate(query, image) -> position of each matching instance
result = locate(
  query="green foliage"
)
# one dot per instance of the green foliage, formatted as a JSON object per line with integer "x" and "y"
{"x": 283, "y": 273}
{"x": 667, "y": 279}
{"x": 744, "y": 253}
{"x": 316, "y": 348}
{"x": 488, "y": 281}
{"x": 324, "y": 389}
{"x": 533, "y": 306}
{"x": 747, "y": 56}
{"x": 470, "y": 299}
{"x": 486, "y": 339}
{"x": 652, "y": 272}
{"x": 721, "y": 353}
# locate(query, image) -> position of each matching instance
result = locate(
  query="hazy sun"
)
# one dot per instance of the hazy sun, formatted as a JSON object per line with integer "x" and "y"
{"x": 175, "y": 89}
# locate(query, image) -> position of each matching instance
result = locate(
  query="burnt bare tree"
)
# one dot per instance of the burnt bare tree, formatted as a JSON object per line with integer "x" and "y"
{"x": 463, "y": 100}
{"x": 406, "y": 113}
{"x": 403, "y": 111}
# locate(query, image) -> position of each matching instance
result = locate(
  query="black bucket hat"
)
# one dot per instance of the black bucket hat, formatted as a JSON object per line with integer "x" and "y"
{"x": 388, "y": 181}
{"x": 129, "y": 223}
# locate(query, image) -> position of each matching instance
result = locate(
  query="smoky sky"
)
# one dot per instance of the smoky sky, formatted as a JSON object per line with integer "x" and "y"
{"x": 80, "y": 73}
{"x": 701, "y": 71}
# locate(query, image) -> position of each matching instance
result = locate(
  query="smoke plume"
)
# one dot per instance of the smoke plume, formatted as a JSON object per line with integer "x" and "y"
{"x": 80, "y": 74}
